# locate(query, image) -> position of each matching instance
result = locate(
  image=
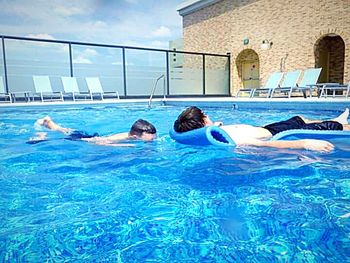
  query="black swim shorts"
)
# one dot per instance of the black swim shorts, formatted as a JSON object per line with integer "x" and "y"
{"x": 78, "y": 135}
{"x": 297, "y": 123}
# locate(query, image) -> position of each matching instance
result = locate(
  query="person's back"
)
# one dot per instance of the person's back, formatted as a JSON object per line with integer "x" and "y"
{"x": 244, "y": 131}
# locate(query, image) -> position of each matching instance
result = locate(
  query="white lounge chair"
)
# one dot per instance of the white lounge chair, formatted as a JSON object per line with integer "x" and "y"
{"x": 308, "y": 82}
{"x": 289, "y": 81}
{"x": 95, "y": 87}
{"x": 3, "y": 93}
{"x": 271, "y": 84}
{"x": 70, "y": 86}
{"x": 43, "y": 88}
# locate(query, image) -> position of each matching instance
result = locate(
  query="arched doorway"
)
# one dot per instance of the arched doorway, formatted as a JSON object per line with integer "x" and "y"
{"x": 248, "y": 68}
{"x": 330, "y": 56}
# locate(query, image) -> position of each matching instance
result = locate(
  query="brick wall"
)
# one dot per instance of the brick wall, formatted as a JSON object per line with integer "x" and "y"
{"x": 294, "y": 27}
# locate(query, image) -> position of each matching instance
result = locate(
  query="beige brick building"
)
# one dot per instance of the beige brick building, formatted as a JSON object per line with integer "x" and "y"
{"x": 264, "y": 36}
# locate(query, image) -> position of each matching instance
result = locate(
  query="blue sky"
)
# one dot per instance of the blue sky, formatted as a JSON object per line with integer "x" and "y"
{"x": 144, "y": 23}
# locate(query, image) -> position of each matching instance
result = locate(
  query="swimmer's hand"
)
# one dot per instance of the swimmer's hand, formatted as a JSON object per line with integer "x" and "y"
{"x": 317, "y": 145}
{"x": 218, "y": 123}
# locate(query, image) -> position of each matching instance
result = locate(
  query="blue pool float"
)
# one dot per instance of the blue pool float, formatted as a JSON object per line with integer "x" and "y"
{"x": 310, "y": 134}
{"x": 213, "y": 135}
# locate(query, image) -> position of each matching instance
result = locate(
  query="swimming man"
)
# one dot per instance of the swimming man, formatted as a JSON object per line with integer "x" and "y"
{"x": 140, "y": 130}
{"x": 248, "y": 135}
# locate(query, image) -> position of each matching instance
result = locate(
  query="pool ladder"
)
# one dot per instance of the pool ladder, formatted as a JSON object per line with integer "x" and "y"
{"x": 154, "y": 89}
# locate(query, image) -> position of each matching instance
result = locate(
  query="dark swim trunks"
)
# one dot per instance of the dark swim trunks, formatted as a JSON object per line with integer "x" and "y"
{"x": 78, "y": 135}
{"x": 297, "y": 123}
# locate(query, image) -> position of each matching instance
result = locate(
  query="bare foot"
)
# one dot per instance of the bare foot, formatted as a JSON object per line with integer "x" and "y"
{"x": 44, "y": 122}
{"x": 343, "y": 118}
{"x": 48, "y": 123}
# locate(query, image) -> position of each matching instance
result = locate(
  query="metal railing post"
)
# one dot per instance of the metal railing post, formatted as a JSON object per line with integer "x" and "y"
{"x": 70, "y": 59}
{"x": 164, "y": 96}
{"x": 203, "y": 57}
{"x": 229, "y": 73}
{"x": 124, "y": 72}
{"x": 5, "y": 66}
{"x": 167, "y": 73}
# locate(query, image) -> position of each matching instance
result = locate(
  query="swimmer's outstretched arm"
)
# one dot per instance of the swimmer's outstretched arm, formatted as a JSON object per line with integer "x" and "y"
{"x": 116, "y": 137}
{"x": 307, "y": 144}
{"x": 106, "y": 142}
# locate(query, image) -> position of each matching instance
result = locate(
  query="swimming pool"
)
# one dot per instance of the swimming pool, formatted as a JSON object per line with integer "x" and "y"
{"x": 66, "y": 200}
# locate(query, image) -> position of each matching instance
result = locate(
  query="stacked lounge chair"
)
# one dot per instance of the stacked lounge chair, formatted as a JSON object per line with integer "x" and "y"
{"x": 272, "y": 83}
{"x": 307, "y": 83}
{"x": 290, "y": 80}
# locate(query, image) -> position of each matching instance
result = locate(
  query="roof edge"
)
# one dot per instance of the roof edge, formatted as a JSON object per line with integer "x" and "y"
{"x": 191, "y": 6}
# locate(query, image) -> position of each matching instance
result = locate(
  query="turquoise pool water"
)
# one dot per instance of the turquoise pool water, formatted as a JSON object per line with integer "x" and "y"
{"x": 73, "y": 201}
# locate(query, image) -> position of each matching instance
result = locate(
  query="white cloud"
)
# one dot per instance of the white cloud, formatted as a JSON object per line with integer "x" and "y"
{"x": 46, "y": 11}
{"x": 109, "y": 22}
{"x": 162, "y": 31}
{"x": 119, "y": 63}
{"x": 90, "y": 52}
{"x": 160, "y": 44}
{"x": 82, "y": 60}
{"x": 99, "y": 24}
{"x": 85, "y": 56}
{"x": 68, "y": 10}
{"x": 41, "y": 36}
{"x": 45, "y": 44}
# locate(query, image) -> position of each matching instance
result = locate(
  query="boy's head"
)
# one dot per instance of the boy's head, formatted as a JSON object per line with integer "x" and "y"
{"x": 190, "y": 119}
{"x": 143, "y": 130}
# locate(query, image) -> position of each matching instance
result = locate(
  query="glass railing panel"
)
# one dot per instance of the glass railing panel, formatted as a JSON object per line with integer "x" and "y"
{"x": 102, "y": 62}
{"x": 186, "y": 74}
{"x": 216, "y": 75}
{"x": 27, "y": 58}
{"x": 143, "y": 68}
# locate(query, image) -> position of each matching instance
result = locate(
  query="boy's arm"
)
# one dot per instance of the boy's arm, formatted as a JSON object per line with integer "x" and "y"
{"x": 107, "y": 141}
{"x": 116, "y": 137}
{"x": 307, "y": 144}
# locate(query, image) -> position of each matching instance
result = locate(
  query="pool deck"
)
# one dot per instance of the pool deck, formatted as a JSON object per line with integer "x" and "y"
{"x": 274, "y": 103}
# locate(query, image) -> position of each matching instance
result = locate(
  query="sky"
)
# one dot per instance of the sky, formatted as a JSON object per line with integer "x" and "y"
{"x": 140, "y": 23}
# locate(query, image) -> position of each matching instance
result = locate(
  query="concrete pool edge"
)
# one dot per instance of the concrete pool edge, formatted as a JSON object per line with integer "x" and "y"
{"x": 243, "y": 103}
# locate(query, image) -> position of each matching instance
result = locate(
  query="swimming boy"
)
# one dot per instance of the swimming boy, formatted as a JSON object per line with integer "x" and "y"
{"x": 247, "y": 135}
{"x": 140, "y": 130}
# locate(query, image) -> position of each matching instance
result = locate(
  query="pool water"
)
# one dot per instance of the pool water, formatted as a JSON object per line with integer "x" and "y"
{"x": 73, "y": 201}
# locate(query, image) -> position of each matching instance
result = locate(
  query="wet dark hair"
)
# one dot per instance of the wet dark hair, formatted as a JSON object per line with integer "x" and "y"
{"x": 190, "y": 119}
{"x": 141, "y": 126}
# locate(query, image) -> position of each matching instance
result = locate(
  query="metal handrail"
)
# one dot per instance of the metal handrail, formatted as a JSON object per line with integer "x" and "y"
{"x": 107, "y": 45}
{"x": 154, "y": 89}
